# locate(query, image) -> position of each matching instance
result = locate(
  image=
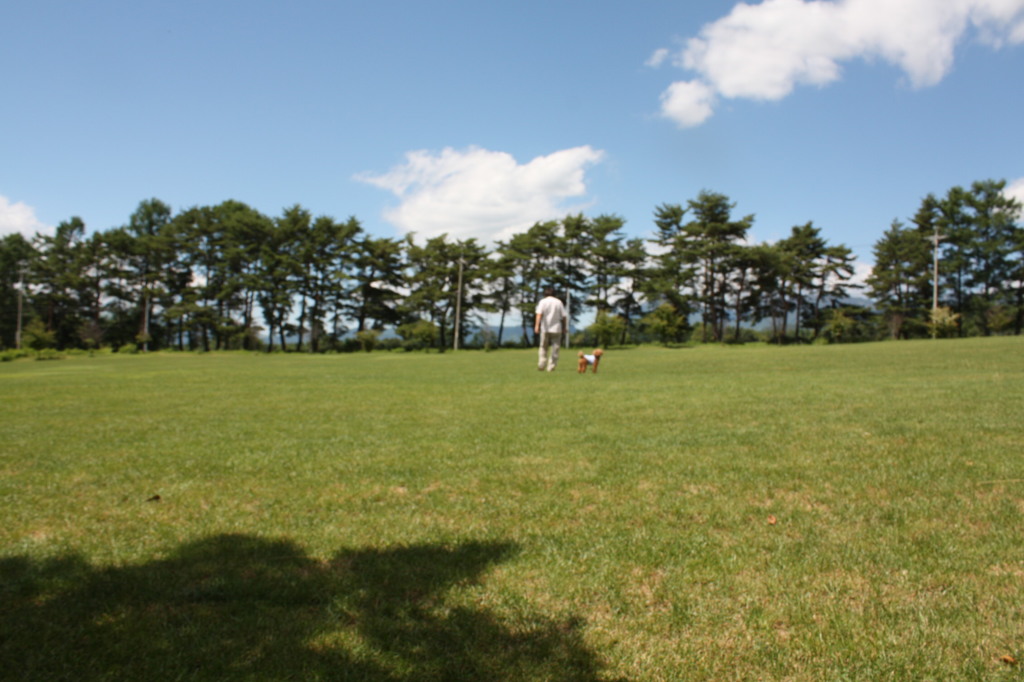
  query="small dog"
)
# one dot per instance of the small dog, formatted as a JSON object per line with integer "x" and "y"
{"x": 593, "y": 359}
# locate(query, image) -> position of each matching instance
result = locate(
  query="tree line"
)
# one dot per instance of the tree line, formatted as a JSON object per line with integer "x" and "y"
{"x": 971, "y": 239}
{"x": 229, "y": 277}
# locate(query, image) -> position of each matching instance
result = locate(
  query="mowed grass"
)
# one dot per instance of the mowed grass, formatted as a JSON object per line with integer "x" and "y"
{"x": 800, "y": 513}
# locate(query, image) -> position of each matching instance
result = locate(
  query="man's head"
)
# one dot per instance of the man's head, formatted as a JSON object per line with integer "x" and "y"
{"x": 549, "y": 291}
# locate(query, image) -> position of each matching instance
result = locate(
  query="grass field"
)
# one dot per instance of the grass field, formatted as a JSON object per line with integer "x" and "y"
{"x": 799, "y": 513}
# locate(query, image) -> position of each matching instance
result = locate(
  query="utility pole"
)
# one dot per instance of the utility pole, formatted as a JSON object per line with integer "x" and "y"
{"x": 21, "y": 287}
{"x": 458, "y": 306}
{"x": 935, "y": 275}
{"x": 145, "y": 323}
{"x": 568, "y": 315}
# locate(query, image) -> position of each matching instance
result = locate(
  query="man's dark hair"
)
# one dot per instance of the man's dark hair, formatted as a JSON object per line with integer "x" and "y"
{"x": 549, "y": 291}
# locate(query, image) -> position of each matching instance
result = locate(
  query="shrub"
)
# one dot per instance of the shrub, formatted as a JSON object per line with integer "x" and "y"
{"x": 607, "y": 329}
{"x": 943, "y": 321}
{"x": 37, "y": 337}
{"x": 367, "y": 339}
{"x": 418, "y": 334}
{"x": 664, "y": 324}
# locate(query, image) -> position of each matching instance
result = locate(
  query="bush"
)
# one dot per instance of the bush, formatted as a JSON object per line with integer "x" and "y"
{"x": 484, "y": 339}
{"x": 368, "y": 339}
{"x": 746, "y": 335}
{"x": 389, "y": 344}
{"x": 348, "y": 345}
{"x": 850, "y": 324}
{"x": 943, "y": 322}
{"x": 37, "y": 337}
{"x": 418, "y": 335}
{"x": 520, "y": 342}
{"x": 91, "y": 334}
{"x": 607, "y": 329}
{"x": 665, "y": 324}
{"x": 1000, "y": 318}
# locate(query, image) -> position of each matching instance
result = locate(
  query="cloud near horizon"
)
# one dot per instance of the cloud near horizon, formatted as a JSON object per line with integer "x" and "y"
{"x": 482, "y": 193}
{"x": 1015, "y": 190}
{"x": 20, "y": 218}
{"x": 764, "y": 51}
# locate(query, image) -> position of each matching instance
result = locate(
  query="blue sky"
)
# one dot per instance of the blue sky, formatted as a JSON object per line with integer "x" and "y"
{"x": 481, "y": 118}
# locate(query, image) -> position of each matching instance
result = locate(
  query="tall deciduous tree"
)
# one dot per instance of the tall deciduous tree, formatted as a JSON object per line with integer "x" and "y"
{"x": 804, "y": 247}
{"x": 570, "y": 247}
{"x": 955, "y": 227}
{"x": 709, "y": 239}
{"x": 150, "y": 253}
{"x": 434, "y": 282}
{"x": 817, "y": 274}
{"x": 899, "y": 276}
{"x": 377, "y": 280}
{"x": 772, "y": 271}
{"x": 746, "y": 266}
{"x": 1017, "y": 278}
{"x": 326, "y": 256}
{"x": 16, "y": 255}
{"x": 977, "y": 231}
{"x": 993, "y": 218}
{"x": 633, "y": 274}
{"x": 244, "y": 231}
{"x": 604, "y": 258}
{"x": 834, "y": 272}
{"x": 672, "y": 275}
{"x": 532, "y": 257}
{"x": 61, "y": 280}
{"x": 500, "y": 275}
{"x": 279, "y": 270}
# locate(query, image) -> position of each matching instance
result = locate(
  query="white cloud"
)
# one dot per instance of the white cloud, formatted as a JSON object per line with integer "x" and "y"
{"x": 688, "y": 103}
{"x": 1015, "y": 190}
{"x": 861, "y": 272}
{"x": 764, "y": 51}
{"x": 482, "y": 193}
{"x": 20, "y": 218}
{"x": 658, "y": 58}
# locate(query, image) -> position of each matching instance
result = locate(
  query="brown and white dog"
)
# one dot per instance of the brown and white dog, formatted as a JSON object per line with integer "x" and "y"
{"x": 594, "y": 359}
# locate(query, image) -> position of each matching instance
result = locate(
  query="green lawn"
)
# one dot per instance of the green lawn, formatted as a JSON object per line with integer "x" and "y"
{"x": 799, "y": 513}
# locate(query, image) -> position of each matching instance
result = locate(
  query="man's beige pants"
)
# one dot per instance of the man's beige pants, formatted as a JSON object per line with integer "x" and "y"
{"x": 547, "y": 353}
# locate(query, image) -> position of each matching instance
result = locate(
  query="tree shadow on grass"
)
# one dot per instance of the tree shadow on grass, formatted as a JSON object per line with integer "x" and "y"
{"x": 242, "y": 607}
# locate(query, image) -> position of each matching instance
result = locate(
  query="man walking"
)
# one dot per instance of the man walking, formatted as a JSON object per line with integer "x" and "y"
{"x": 551, "y": 324}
